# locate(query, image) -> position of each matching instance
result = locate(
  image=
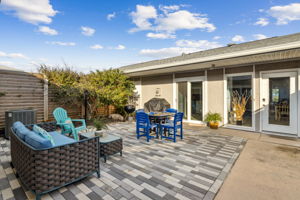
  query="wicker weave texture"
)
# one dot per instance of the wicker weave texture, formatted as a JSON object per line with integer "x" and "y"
{"x": 45, "y": 170}
{"x": 111, "y": 148}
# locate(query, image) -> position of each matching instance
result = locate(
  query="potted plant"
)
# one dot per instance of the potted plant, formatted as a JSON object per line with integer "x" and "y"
{"x": 213, "y": 119}
{"x": 99, "y": 125}
{"x": 239, "y": 102}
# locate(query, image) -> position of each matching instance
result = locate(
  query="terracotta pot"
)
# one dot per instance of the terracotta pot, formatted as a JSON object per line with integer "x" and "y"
{"x": 214, "y": 125}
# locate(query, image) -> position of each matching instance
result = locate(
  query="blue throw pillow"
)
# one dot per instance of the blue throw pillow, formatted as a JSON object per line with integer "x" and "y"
{"x": 43, "y": 133}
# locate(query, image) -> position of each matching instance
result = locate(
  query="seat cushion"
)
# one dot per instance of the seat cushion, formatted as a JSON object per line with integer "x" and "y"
{"x": 60, "y": 139}
{"x": 43, "y": 133}
{"x": 20, "y": 130}
{"x": 36, "y": 141}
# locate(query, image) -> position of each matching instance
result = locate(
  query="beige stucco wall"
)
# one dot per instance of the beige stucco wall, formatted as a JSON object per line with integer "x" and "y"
{"x": 215, "y": 91}
{"x": 149, "y": 85}
{"x": 215, "y": 85}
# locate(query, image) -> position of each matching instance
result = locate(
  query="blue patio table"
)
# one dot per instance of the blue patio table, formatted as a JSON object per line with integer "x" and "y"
{"x": 160, "y": 118}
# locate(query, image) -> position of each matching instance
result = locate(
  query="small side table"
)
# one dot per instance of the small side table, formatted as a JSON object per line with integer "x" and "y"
{"x": 109, "y": 144}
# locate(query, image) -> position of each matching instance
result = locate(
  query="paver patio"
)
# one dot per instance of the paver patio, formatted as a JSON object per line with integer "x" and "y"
{"x": 193, "y": 168}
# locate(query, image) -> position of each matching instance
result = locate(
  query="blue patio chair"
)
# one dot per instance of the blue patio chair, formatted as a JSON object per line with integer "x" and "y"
{"x": 66, "y": 123}
{"x": 143, "y": 126}
{"x": 171, "y": 110}
{"x": 173, "y": 126}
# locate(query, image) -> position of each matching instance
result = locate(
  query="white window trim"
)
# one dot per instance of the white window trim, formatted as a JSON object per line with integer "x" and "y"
{"x": 203, "y": 79}
{"x": 226, "y": 125}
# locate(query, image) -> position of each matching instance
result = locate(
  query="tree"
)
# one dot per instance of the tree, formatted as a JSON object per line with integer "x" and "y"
{"x": 64, "y": 83}
{"x": 108, "y": 87}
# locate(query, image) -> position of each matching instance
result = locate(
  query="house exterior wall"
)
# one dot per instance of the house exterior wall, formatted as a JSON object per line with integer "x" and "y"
{"x": 162, "y": 82}
{"x": 215, "y": 91}
{"x": 215, "y": 81}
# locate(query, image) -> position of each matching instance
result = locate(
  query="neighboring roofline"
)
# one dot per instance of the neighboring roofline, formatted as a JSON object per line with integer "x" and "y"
{"x": 5, "y": 68}
{"x": 260, "y": 50}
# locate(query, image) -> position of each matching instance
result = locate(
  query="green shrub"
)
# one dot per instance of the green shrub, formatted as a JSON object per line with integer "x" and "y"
{"x": 213, "y": 117}
{"x": 99, "y": 124}
{"x": 107, "y": 87}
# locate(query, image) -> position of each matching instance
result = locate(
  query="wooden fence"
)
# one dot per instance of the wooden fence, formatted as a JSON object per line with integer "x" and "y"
{"x": 21, "y": 90}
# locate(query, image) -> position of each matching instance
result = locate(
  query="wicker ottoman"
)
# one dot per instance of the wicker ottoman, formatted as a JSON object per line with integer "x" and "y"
{"x": 109, "y": 144}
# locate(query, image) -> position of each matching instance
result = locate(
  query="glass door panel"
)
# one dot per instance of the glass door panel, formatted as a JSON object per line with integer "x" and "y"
{"x": 182, "y": 98}
{"x": 196, "y": 101}
{"x": 239, "y": 100}
{"x": 279, "y": 101}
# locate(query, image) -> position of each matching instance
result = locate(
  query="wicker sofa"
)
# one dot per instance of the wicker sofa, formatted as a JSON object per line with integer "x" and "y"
{"x": 45, "y": 170}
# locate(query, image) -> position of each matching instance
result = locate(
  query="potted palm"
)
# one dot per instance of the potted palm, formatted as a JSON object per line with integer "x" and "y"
{"x": 213, "y": 119}
{"x": 100, "y": 126}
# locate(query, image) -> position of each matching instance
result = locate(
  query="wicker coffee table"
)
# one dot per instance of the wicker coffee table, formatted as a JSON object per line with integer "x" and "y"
{"x": 109, "y": 144}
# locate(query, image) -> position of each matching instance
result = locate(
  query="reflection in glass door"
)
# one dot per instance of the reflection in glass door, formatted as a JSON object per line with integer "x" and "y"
{"x": 190, "y": 100}
{"x": 279, "y": 101}
{"x": 182, "y": 98}
{"x": 196, "y": 101}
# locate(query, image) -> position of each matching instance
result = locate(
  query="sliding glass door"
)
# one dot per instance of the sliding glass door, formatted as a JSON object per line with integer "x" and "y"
{"x": 182, "y": 98}
{"x": 196, "y": 101}
{"x": 190, "y": 99}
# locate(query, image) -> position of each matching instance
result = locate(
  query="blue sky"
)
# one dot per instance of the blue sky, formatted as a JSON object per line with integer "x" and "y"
{"x": 93, "y": 34}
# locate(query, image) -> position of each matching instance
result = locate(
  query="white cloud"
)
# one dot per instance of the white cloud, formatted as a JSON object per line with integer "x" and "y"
{"x": 285, "y": 14}
{"x": 262, "y": 22}
{"x": 31, "y": 11}
{"x": 146, "y": 18}
{"x": 166, "y": 52}
{"x": 47, "y": 30}
{"x": 238, "y": 38}
{"x": 160, "y": 36}
{"x": 141, "y": 17}
{"x": 111, "y": 16}
{"x": 61, "y": 43}
{"x": 201, "y": 44}
{"x": 7, "y": 63}
{"x": 259, "y": 36}
{"x": 13, "y": 55}
{"x": 87, "y": 31}
{"x": 182, "y": 46}
{"x": 183, "y": 19}
{"x": 120, "y": 47}
{"x": 217, "y": 37}
{"x": 96, "y": 47}
{"x": 167, "y": 9}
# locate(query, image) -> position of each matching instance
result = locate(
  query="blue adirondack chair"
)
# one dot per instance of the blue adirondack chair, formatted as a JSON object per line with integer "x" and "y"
{"x": 143, "y": 126}
{"x": 66, "y": 123}
{"x": 173, "y": 126}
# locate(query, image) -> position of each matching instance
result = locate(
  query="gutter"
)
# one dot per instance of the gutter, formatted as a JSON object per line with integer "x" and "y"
{"x": 254, "y": 51}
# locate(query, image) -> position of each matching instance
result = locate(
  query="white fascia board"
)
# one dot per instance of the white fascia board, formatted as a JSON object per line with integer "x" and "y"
{"x": 220, "y": 56}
